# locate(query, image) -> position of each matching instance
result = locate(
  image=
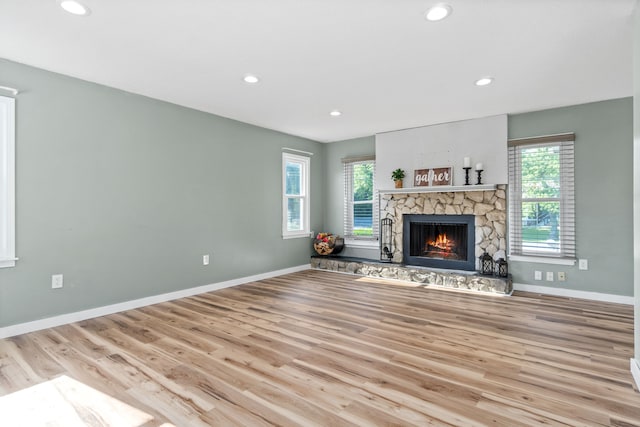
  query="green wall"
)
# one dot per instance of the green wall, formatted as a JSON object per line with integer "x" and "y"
{"x": 124, "y": 194}
{"x": 604, "y": 188}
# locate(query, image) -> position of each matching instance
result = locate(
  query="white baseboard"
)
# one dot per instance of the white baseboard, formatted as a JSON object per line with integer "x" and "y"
{"x": 635, "y": 372}
{"x": 63, "y": 319}
{"x": 597, "y": 296}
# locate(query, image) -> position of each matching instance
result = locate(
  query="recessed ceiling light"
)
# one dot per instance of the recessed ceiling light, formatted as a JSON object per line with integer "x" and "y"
{"x": 335, "y": 113}
{"x": 250, "y": 78}
{"x": 484, "y": 81}
{"x": 75, "y": 8}
{"x": 438, "y": 12}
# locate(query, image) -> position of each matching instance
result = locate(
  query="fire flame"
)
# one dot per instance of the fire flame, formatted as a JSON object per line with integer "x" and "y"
{"x": 442, "y": 242}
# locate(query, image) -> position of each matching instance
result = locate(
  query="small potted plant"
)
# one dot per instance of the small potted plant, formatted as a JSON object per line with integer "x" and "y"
{"x": 398, "y": 175}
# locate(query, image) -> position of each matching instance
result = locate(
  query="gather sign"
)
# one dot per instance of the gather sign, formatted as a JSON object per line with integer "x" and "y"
{"x": 432, "y": 177}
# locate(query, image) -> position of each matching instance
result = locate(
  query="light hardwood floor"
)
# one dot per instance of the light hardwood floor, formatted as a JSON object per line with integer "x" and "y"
{"x": 320, "y": 348}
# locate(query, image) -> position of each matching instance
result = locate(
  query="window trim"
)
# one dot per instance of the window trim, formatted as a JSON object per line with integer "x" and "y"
{"x": 305, "y": 163}
{"x": 568, "y": 247}
{"x": 353, "y": 240}
{"x": 7, "y": 170}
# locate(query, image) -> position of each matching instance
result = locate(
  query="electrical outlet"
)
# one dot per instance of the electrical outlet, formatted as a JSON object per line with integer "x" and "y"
{"x": 205, "y": 259}
{"x": 537, "y": 275}
{"x": 562, "y": 276}
{"x": 583, "y": 264}
{"x": 57, "y": 281}
{"x": 549, "y": 276}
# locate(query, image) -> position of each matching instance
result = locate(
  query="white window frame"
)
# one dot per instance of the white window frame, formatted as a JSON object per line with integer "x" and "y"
{"x": 567, "y": 251}
{"x": 350, "y": 239}
{"x": 305, "y": 163}
{"x": 7, "y": 183}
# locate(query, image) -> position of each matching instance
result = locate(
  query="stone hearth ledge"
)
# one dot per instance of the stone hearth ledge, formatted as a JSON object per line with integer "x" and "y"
{"x": 455, "y": 279}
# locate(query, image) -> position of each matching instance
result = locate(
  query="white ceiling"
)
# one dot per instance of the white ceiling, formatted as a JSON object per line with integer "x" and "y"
{"x": 378, "y": 61}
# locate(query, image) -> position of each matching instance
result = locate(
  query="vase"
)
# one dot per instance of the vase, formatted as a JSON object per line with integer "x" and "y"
{"x": 398, "y": 183}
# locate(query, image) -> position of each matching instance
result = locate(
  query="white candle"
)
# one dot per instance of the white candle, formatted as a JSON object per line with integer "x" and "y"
{"x": 479, "y": 166}
{"x": 467, "y": 162}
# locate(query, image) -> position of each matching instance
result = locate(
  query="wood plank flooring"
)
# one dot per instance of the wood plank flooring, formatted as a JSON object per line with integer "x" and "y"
{"x": 324, "y": 349}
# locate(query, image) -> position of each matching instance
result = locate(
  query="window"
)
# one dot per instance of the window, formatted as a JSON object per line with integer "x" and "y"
{"x": 360, "y": 199}
{"x": 295, "y": 191}
{"x": 7, "y": 182}
{"x": 541, "y": 197}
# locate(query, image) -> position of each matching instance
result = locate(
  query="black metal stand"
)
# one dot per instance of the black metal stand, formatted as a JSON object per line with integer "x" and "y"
{"x": 479, "y": 177}
{"x": 386, "y": 240}
{"x": 466, "y": 176}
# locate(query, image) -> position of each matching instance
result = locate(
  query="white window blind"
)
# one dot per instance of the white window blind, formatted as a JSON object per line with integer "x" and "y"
{"x": 542, "y": 196}
{"x": 361, "y": 203}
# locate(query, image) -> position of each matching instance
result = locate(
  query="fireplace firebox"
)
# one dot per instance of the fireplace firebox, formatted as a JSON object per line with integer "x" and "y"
{"x": 439, "y": 241}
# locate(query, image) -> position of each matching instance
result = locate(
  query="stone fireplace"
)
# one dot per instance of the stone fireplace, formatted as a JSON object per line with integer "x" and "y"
{"x": 485, "y": 208}
{"x": 481, "y": 208}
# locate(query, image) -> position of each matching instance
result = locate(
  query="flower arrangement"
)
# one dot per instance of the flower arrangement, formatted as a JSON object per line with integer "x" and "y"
{"x": 327, "y": 243}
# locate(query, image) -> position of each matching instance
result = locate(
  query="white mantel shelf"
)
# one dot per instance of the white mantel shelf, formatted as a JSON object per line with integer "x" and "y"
{"x": 440, "y": 189}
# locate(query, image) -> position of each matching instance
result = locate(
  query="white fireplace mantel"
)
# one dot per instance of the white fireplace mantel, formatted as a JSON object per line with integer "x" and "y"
{"x": 439, "y": 189}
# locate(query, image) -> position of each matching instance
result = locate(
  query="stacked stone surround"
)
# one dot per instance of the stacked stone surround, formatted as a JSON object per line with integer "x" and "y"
{"x": 424, "y": 276}
{"x": 488, "y": 206}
